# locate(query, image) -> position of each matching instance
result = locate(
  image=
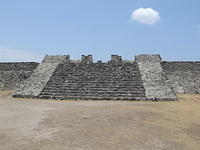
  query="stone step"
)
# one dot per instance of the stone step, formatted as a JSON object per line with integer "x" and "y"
{"x": 92, "y": 92}
{"x": 84, "y": 87}
{"x": 98, "y": 77}
{"x": 102, "y": 65}
{"x": 97, "y": 70}
{"x": 94, "y": 82}
{"x": 91, "y": 98}
{"x": 96, "y": 73}
{"x": 95, "y": 89}
{"x": 101, "y": 78}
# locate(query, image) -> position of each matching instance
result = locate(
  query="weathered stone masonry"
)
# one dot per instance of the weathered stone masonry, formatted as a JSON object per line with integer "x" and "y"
{"x": 184, "y": 77}
{"x": 96, "y": 81}
{"x": 33, "y": 86}
{"x": 12, "y": 74}
{"x": 156, "y": 84}
{"x": 58, "y": 77}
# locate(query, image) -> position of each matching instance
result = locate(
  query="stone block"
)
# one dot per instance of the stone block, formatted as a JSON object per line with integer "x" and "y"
{"x": 86, "y": 59}
{"x": 148, "y": 58}
{"x": 56, "y": 59}
{"x": 116, "y": 59}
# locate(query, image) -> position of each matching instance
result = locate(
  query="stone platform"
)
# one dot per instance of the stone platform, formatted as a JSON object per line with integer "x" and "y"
{"x": 58, "y": 77}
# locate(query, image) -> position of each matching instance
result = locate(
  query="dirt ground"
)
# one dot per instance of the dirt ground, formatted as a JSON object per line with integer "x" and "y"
{"x": 27, "y": 124}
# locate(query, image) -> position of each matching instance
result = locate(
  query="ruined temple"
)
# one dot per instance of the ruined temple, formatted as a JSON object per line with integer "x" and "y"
{"x": 58, "y": 77}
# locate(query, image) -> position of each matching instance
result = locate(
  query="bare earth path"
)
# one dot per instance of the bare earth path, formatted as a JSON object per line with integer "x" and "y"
{"x": 27, "y": 124}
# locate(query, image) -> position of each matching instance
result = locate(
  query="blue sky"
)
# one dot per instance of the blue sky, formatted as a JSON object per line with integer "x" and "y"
{"x": 30, "y": 29}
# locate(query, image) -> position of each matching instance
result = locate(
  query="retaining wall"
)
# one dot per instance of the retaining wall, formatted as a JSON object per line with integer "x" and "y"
{"x": 58, "y": 75}
{"x": 32, "y": 86}
{"x": 154, "y": 79}
{"x": 184, "y": 77}
{"x": 12, "y": 74}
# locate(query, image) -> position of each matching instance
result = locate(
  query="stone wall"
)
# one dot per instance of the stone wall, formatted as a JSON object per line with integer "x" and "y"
{"x": 59, "y": 77}
{"x": 12, "y": 74}
{"x": 56, "y": 58}
{"x": 154, "y": 79}
{"x": 184, "y": 77}
{"x": 33, "y": 86}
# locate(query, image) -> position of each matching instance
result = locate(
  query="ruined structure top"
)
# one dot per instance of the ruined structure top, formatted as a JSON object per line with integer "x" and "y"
{"x": 86, "y": 59}
{"x": 56, "y": 59}
{"x": 116, "y": 59}
{"x": 148, "y": 58}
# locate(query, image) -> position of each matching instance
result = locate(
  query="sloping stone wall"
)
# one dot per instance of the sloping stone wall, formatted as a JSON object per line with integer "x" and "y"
{"x": 56, "y": 59}
{"x": 12, "y": 74}
{"x": 154, "y": 79}
{"x": 33, "y": 86}
{"x": 184, "y": 77}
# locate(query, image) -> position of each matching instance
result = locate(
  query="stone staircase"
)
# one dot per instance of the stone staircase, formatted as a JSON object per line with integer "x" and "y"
{"x": 95, "y": 81}
{"x": 33, "y": 85}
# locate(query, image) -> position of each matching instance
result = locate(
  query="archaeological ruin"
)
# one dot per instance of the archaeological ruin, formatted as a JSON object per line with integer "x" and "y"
{"x": 58, "y": 77}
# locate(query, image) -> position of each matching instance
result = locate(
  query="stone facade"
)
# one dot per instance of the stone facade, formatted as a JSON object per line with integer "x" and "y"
{"x": 56, "y": 59}
{"x": 58, "y": 77}
{"x": 33, "y": 86}
{"x": 12, "y": 74}
{"x": 154, "y": 79}
{"x": 184, "y": 77}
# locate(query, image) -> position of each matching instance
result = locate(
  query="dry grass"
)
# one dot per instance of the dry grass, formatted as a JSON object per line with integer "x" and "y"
{"x": 180, "y": 120}
{"x": 110, "y": 125}
{"x": 5, "y": 94}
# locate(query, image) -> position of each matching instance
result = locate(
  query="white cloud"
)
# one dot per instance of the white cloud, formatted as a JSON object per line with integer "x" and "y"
{"x": 12, "y": 55}
{"x": 145, "y": 16}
